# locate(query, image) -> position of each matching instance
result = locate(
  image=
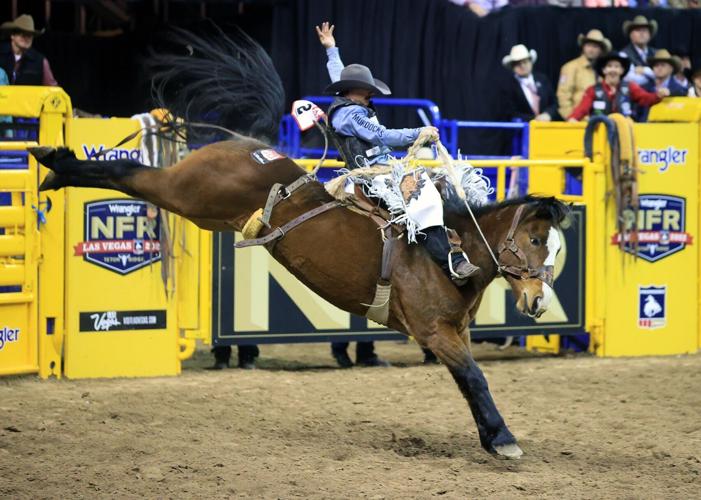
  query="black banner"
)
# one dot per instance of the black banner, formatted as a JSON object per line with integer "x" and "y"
{"x": 110, "y": 321}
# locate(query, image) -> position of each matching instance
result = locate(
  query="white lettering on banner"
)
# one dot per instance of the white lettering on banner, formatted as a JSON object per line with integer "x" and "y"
{"x": 8, "y": 335}
{"x": 124, "y": 209}
{"x": 105, "y": 321}
{"x": 662, "y": 158}
{"x": 115, "y": 154}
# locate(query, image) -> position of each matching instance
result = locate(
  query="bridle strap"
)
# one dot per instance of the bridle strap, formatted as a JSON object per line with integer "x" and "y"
{"x": 522, "y": 271}
{"x": 514, "y": 223}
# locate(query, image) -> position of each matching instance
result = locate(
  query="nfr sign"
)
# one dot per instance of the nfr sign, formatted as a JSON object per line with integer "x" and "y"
{"x": 120, "y": 235}
{"x": 661, "y": 224}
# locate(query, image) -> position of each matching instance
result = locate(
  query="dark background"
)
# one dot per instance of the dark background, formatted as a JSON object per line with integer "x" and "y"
{"x": 421, "y": 48}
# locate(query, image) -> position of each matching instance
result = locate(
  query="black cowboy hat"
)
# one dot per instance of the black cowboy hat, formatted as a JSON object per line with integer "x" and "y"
{"x": 357, "y": 76}
{"x": 602, "y": 61}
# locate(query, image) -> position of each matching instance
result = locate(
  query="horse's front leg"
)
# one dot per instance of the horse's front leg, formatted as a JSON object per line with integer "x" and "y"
{"x": 454, "y": 352}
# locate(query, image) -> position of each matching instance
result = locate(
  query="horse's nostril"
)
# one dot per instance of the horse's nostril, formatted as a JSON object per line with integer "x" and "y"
{"x": 536, "y": 305}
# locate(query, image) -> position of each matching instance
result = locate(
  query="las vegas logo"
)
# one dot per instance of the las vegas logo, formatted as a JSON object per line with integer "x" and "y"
{"x": 120, "y": 235}
{"x": 661, "y": 227}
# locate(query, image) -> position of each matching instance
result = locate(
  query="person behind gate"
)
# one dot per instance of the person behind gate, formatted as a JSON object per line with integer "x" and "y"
{"x": 23, "y": 64}
{"x": 613, "y": 95}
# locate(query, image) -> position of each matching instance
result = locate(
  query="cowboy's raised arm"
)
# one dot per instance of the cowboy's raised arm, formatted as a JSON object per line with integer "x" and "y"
{"x": 334, "y": 65}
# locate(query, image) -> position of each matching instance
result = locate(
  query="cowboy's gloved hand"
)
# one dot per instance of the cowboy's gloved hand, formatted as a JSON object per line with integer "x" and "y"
{"x": 663, "y": 92}
{"x": 326, "y": 35}
{"x": 430, "y": 133}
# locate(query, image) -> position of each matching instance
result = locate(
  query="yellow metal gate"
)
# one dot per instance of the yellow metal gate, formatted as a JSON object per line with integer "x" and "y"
{"x": 19, "y": 249}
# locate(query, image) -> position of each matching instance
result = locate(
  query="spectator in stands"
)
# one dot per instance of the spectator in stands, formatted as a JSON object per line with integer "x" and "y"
{"x": 23, "y": 64}
{"x": 613, "y": 95}
{"x": 482, "y": 7}
{"x": 639, "y": 31}
{"x": 665, "y": 66}
{"x": 578, "y": 75}
{"x": 247, "y": 356}
{"x": 526, "y": 94}
{"x": 684, "y": 63}
{"x": 695, "y": 87}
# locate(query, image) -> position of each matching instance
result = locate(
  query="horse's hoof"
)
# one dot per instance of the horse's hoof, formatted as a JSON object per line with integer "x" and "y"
{"x": 51, "y": 181}
{"x": 41, "y": 152}
{"x": 508, "y": 451}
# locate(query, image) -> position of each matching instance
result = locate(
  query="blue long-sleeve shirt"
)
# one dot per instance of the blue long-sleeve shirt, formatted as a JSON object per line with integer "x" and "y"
{"x": 355, "y": 120}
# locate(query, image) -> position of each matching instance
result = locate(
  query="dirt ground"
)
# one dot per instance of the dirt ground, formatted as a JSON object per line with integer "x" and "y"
{"x": 298, "y": 427}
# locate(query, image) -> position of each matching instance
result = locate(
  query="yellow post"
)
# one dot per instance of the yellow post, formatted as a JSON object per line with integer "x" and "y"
{"x": 56, "y": 113}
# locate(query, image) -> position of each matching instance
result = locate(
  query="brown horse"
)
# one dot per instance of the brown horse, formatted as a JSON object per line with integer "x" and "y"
{"x": 338, "y": 253}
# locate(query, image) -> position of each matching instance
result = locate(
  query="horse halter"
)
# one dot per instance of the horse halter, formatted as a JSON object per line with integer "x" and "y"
{"x": 522, "y": 271}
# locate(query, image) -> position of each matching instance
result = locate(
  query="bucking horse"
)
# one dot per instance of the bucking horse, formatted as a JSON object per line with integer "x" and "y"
{"x": 337, "y": 253}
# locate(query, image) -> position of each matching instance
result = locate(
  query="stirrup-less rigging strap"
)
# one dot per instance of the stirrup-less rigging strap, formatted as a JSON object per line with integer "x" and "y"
{"x": 279, "y": 232}
{"x": 278, "y": 193}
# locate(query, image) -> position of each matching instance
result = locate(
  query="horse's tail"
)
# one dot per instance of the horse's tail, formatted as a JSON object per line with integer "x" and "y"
{"x": 226, "y": 81}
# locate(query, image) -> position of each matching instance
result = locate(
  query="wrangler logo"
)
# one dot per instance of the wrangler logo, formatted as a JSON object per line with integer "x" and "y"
{"x": 115, "y": 154}
{"x": 662, "y": 158}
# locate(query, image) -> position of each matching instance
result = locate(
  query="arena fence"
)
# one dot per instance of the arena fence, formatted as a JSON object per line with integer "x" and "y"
{"x": 91, "y": 287}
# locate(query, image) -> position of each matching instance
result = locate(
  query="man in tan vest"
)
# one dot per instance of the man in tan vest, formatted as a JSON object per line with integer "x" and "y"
{"x": 578, "y": 75}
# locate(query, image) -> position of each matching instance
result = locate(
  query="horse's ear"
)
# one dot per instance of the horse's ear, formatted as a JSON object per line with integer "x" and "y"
{"x": 554, "y": 210}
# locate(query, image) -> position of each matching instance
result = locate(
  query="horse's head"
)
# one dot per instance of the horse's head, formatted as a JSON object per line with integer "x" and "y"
{"x": 527, "y": 253}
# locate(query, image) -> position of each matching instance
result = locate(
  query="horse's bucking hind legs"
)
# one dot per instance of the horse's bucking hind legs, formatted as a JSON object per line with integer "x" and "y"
{"x": 68, "y": 171}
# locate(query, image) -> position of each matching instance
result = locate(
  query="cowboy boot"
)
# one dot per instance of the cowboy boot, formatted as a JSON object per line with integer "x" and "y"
{"x": 455, "y": 264}
{"x": 222, "y": 355}
{"x": 247, "y": 356}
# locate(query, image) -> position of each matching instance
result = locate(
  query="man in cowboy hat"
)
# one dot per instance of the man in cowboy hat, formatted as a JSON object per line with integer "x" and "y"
{"x": 363, "y": 141}
{"x": 664, "y": 66}
{"x": 23, "y": 64}
{"x": 578, "y": 75}
{"x": 612, "y": 94}
{"x": 640, "y": 31}
{"x": 526, "y": 94}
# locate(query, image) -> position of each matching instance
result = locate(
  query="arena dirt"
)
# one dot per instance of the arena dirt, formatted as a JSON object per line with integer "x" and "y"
{"x": 590, "y": 428}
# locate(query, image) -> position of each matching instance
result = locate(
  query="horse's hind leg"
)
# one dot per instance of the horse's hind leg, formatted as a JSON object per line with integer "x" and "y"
{"x": 495, "y": 436}
{"x": 70, "y": 171}
{"x": 128, "y": 176}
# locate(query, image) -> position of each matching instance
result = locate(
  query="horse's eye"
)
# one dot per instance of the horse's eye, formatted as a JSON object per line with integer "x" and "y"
{"x": 535, "y": 242}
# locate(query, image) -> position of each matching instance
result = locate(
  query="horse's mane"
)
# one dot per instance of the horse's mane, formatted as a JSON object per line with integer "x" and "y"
{"x": 542, "y": 207}
{"x": 229, "y": 81}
